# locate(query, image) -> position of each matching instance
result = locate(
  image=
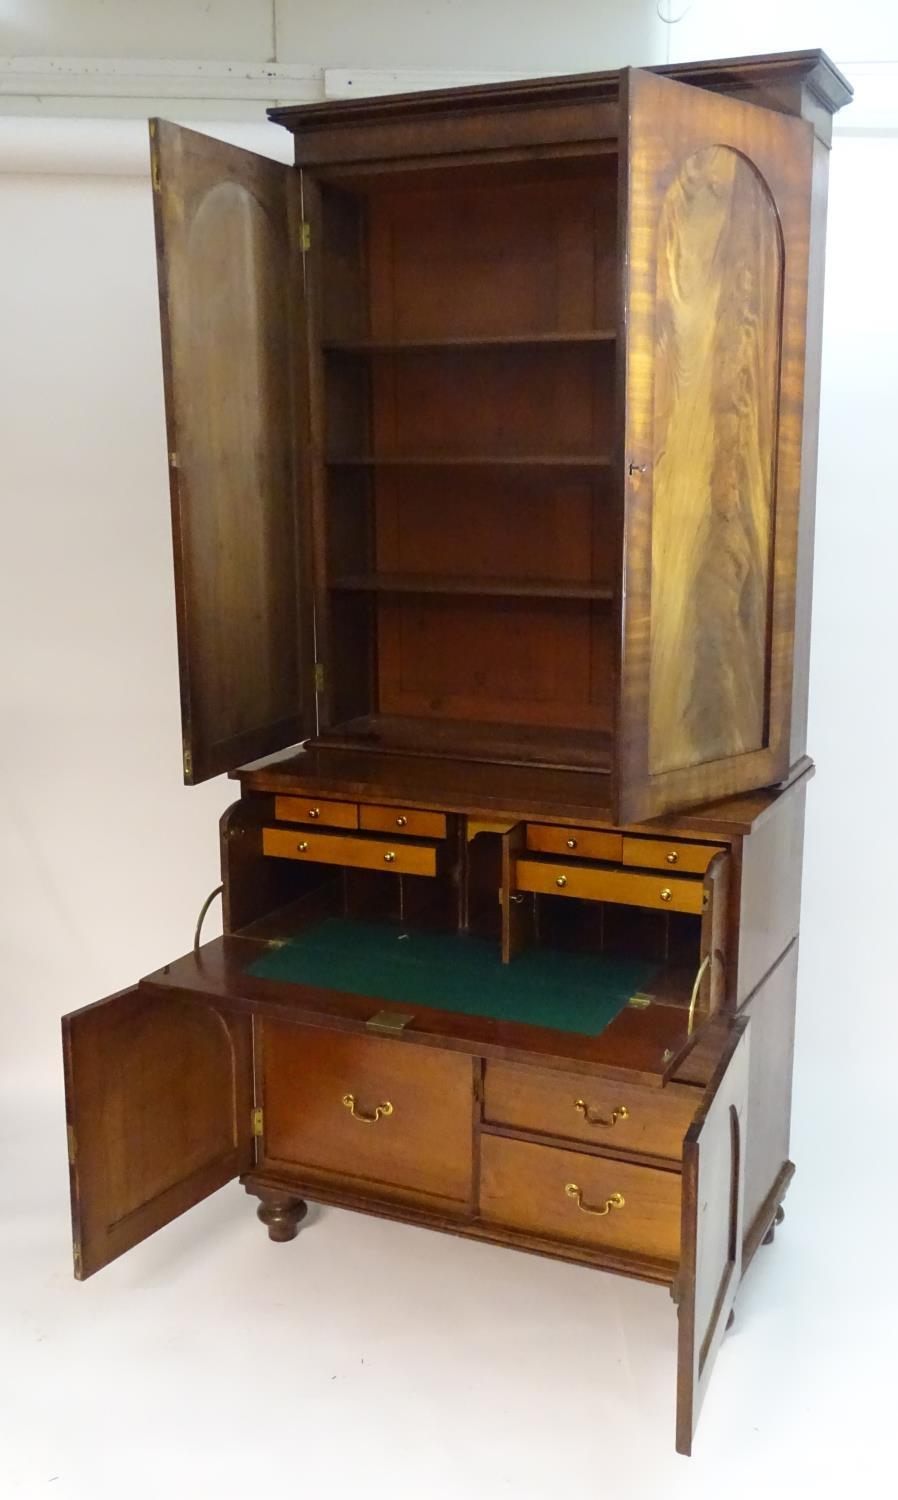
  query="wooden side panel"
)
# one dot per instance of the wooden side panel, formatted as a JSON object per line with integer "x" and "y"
{"x": 158, "y": 1101}
{"x": 717, "y": 196}
{"x": 227, "y": 301}
{"x": 718, "y": 294}
{"x": 712, "y": 1229}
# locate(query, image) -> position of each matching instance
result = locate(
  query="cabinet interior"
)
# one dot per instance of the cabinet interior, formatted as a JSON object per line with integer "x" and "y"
{"x": 571, "y": 964}
{"x": 471, "y": 529}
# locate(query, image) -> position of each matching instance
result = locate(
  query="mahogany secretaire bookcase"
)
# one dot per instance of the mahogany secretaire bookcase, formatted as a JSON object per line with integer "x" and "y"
{"x": 492, "y": 432}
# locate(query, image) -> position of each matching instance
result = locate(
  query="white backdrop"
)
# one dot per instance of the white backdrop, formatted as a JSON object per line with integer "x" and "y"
{"x": 368, "y": 1357}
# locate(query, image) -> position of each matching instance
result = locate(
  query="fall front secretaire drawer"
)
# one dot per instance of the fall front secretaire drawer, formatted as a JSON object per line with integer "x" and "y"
{"x": 591, "y": 1200}
{"x": 399, "y": 856}
{"x": 579, "y": 1108}
{"x": 370, "y": 1111}
{"x": 600, "y": 883}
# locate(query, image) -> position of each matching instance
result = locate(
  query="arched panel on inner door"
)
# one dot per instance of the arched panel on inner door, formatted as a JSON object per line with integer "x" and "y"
{"x": 718, "y": 316}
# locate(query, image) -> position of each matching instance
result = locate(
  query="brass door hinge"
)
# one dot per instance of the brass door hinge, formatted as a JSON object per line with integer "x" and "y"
{"x": 188, "y": 763}
{"x": 258, "y": 1122}
{"x": 73, "y": 1144}
{"x": 76, "y": 1256}
{"x": 305, "y": 236}
{"x": 319, "y": 677}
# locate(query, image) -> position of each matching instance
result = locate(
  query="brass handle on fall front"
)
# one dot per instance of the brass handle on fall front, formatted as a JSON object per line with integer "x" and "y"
{"x": 705, "y": 963}
{"x": 616, "y": 1200}
{"x": 379, "y": 1109}
{"x": 561, "y": 881}
{"x": 591, "y": 1118}
{"x": 314, "y": 812}
{"x": 402, "y": 821}
{"x": 303, "y": 846}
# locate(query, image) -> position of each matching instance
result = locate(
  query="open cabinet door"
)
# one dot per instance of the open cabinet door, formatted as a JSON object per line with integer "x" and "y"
{"x": 715, "y": 204}
{"x": 229, "y": 295}
{"x": 158, "y": 1106}
{"x": 711, "y": 1235}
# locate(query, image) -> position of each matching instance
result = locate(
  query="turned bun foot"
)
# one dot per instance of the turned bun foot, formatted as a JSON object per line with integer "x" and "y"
{"x": 777, "y": 1219}
{"x": 281, "y": 1214}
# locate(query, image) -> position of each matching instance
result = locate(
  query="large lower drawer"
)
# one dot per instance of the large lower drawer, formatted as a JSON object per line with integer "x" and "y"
{"x": 596, "y": 883}
{"x": 343, "y": 849}
{"x": 589, "y": 1200}
{"x": 370, "y": 1111}
{"x": 578, "y": 1108}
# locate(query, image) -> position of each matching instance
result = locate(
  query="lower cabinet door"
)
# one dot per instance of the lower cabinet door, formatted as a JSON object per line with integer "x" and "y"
{"x": 158, "y": 1107}
{"x": 370, "y": 1112}
{"x": 589, "y": 1200}
{"x": 712, "y": 1228}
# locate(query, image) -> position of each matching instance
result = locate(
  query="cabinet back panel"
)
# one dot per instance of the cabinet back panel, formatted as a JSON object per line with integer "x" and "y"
{"x": 555, "y": 401}
{"x": 508, "y": 258}
{"x": 503, "y": 660}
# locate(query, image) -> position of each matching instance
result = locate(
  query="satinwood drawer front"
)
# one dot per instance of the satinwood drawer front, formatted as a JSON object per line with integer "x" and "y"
{"x": 368, "y": 1110}
{"x": 403, "y": 820}
{"x": 667, "y": 893}
{"x": 592, "y": 1200}
{"x": 622, "y": 1115}
{"x": 580, "y": 843}
{"x": 655, "y": 854}
{"x": 309, "y": 810}
{"x": 342, "y": 849}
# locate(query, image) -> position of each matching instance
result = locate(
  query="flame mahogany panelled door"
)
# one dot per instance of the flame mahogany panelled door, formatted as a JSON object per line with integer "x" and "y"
{"x": 230, "y": 302}
{"x": 716, "y": 197}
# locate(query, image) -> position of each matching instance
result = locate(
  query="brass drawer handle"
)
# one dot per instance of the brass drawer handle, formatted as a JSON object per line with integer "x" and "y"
{"x": 591, "y": 1118}
{"x": 303, "y": 846}
{"x": 616, "y": 1200}
{"x": 379, "y": 1109}
{"x": 672, "y": 857}
{"x": 314, "y": 812}
{"x": 666, "y": 893}
{"x": 389, "y": 856}
{"x": 572, "y": 843}
{"x": 561, "y": 881}
{"x": 402, "y": 821}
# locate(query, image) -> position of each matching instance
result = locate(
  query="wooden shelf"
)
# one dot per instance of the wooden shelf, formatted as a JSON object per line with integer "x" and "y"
{"x": 511, "y": 744}
{"x": 474, "y": 461}
{"x": 435, "y": 583}
{"x": 463, "y": 342}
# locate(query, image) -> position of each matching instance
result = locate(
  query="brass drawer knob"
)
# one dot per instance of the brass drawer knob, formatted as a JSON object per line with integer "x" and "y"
{"x": 672, "y": 857}
{"x": 314, "y": 812}
{"x": 402, "y": 821}
{"x": 616, "y": 1200}
{"x": 591, "y": 1118}
{"x": 561, "y": 881}
{"x": 303, "y": 846}
{"x": 572, "y": 843}
{"x": 389, "y": 856}
{"x": 666, "y": 893}
{"x": 379, "y": 1109}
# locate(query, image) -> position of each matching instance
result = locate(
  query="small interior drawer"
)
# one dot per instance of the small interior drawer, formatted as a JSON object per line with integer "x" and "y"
{"x": 368, "y": 1110}
{"x": 592, "y": 1200}
{"x": 569, "y": 1105}
{"x": 656, "y": 854}
{"x": 595, "y": 883}
{"x": 578, "y": 843}
{"x": 312, "y": 810}
{"x": 395, "y": 856}
{"x": 403, "y": 820}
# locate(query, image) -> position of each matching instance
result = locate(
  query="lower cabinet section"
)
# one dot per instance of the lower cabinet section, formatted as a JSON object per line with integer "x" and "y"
{"x": 589, "y": 1200}
{"x": 394, "y": 1117}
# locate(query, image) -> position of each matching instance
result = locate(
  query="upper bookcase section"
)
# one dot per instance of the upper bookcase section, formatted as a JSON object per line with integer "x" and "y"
{"x": 542, "y": 111}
